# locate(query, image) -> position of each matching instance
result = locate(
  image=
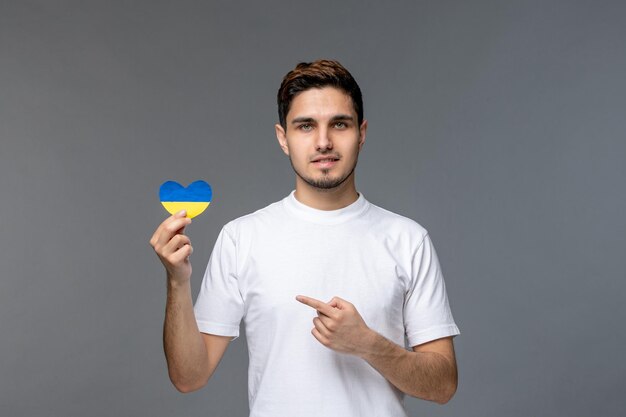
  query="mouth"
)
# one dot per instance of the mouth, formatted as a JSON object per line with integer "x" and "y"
{"x": 325, "y": 162}
{"x": 326, "y": 157}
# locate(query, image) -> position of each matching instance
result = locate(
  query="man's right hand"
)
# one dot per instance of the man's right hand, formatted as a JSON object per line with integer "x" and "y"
{"x": 173, "y": 247}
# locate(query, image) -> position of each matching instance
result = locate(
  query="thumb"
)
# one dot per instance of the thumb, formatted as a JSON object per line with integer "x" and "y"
{"x": 337, "y": 302}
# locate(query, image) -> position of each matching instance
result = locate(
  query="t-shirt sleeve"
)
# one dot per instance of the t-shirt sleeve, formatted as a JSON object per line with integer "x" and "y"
{"x": 219, "y": 306}
{"x": 427, "y": 314}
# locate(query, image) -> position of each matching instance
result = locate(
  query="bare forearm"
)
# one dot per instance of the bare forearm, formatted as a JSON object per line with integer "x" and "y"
{"x": 426, "y": 375}
{"x": 185, "y": 351}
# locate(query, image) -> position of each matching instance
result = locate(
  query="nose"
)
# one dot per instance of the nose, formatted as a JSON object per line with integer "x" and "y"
{"x": 324, "y": 141}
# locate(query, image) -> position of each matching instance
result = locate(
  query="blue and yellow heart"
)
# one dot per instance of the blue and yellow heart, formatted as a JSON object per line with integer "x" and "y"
{"x": 194, "y": 199}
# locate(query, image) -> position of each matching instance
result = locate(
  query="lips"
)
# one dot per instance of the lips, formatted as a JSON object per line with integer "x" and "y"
{"x": 325, "y": 158}
{"x": 325, "y": 163}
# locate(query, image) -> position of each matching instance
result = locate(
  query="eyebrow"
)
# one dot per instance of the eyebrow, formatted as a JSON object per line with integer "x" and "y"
{"x": 338, "y": 117}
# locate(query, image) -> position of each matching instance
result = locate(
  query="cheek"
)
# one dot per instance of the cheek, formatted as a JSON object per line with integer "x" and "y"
{"x": 298, "y": 156}
{"x": 351, "y": 151}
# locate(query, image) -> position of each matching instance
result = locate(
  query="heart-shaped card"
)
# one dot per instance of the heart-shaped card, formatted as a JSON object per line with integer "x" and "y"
{"x": 195, "y": 198}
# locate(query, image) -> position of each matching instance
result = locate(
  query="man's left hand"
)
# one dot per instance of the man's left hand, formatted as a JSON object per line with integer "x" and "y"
{"x": 338, "y": 325}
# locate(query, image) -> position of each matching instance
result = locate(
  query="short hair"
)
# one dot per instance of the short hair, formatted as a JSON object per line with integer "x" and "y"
{"x": 317, "y": 74}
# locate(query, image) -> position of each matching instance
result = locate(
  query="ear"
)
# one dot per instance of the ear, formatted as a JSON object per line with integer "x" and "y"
{"x": 362, "y": 132}
{"x": 282, "y": 138}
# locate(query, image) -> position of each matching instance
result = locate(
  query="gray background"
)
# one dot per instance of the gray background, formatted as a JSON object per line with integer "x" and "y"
{"x": 499, "y": 126}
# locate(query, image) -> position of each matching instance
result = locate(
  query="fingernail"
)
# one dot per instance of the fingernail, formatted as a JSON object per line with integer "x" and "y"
{"x": 182, "y": 213}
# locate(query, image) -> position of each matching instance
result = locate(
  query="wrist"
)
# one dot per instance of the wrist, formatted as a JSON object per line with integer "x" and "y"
{"x": 177, "y": 283}
{"x": 370, "y": 344}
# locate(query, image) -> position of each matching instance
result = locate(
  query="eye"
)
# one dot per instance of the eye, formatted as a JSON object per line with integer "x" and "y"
{"x": 305, "y": 126}
{"x": 340, "y": 125}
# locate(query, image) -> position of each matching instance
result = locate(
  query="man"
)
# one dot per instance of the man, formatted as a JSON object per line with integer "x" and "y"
{"x": 329, "y": 285}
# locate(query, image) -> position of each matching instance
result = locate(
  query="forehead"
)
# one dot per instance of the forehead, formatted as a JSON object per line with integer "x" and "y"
{"x": 321, "y": 103}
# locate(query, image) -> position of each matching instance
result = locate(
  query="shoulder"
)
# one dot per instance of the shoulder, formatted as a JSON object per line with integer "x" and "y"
{"x": 395, "y": 225}
{"x": 253, "y": 221}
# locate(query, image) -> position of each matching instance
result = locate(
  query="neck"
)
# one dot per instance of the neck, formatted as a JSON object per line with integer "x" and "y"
{"x": 330, "y": 199}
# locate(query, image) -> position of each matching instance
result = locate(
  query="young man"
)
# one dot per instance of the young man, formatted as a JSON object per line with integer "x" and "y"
{"x": 329, "y": 285}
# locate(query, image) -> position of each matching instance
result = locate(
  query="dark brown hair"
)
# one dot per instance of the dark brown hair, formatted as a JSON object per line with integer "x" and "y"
{"x": 318, "y": 74}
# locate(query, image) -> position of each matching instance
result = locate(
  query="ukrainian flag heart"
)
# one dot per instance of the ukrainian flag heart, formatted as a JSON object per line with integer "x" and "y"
{"x": 194, "y": 199}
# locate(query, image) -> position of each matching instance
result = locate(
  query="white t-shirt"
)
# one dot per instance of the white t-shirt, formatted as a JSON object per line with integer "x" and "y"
{"x": 381, "y": 262}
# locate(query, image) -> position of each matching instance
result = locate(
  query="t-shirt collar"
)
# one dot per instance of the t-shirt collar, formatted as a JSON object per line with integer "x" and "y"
{"x": 302, "y": 211}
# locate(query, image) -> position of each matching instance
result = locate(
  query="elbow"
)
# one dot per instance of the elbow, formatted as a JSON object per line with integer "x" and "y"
{"x": 441, "y": 392}
{"x": 448, "y": 387}
{"x": 188, "y": 381}
{"x": 445, "y": 396}
{"x": 186, "y": 385}
{"x": 440, "y": 395}
{"x": 187, "y": 388}
{"x": 446, "y": 392}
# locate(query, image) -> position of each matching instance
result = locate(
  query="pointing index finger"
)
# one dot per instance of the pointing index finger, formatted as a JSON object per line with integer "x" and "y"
{"x": 317, "y": 304}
